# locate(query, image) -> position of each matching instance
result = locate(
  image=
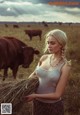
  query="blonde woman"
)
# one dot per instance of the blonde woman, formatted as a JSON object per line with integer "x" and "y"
{"x": 53, "y": 71}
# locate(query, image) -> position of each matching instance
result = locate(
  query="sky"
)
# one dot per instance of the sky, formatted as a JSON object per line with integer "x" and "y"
{"x": 38, "y": 11}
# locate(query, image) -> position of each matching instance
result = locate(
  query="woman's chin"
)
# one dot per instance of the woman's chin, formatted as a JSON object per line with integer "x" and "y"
{"x": 50, "y": 51}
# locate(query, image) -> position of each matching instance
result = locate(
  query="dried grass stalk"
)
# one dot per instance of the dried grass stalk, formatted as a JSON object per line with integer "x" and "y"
{"x": 14, "y": 93}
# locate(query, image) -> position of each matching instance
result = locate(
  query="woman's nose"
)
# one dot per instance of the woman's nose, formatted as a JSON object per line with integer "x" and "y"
{"x": 49, "y": 45}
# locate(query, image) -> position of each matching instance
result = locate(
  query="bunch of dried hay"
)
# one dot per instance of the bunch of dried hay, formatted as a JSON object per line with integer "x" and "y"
{"x": 15, "y": 92}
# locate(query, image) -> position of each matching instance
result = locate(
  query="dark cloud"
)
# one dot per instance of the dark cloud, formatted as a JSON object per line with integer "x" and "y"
{"x": 36, "y": 10}
{"x": 36, "y": 1}
{"x": 69, "y": 10}
{"x": 16, "y": 10}
{"x": 4, "y": 12}
{"x": 39, "y": 1}
{"x": 32, "y": 1}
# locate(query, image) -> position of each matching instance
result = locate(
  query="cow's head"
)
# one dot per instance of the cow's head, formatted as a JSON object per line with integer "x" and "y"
{"x": 28, "y": 55}
{"x": 26, "y": 31}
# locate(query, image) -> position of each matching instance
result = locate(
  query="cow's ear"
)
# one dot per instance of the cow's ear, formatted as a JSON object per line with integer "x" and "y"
{"x": 36, "y": 51}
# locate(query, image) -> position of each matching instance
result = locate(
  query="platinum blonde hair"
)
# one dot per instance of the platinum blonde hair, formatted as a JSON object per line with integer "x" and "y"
{"x": 59, "y": 35}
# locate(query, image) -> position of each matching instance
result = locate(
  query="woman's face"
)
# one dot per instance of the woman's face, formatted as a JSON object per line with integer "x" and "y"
{"x": 53, "y": 45}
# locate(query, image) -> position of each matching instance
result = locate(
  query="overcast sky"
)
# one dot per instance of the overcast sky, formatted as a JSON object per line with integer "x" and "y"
{"x": 37, "y": 10}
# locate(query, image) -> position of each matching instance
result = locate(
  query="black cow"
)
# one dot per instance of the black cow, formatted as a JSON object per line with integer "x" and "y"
{"x": 13, "y": 53}
{"x": 32, "y": 33}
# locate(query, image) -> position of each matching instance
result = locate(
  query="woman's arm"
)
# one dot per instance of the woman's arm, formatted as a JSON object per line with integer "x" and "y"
{"x": 32, "y": 75}
{"x": 59, "y": 89}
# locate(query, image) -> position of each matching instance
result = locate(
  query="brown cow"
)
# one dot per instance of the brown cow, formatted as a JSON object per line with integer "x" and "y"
{"x": 13, "y": 53}
{"x": 45, "y": 24}
{"x": 32, "y": 33}
{"x": 15, "y": 26}
{"x": 6, "y": 25}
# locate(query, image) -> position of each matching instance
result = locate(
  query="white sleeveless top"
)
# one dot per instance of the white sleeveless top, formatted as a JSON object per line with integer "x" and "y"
{"x": 48, "y": 80}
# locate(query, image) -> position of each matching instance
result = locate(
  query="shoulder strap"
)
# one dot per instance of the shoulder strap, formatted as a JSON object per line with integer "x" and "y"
{"x": 60, "y": 66}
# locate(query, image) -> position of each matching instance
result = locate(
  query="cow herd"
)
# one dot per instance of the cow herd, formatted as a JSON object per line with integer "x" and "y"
{"x": 30, "y": 32}
{"x": 13, "y": 53}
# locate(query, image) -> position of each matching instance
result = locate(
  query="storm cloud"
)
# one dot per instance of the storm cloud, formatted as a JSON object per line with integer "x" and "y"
{"x": 37, "y": 10}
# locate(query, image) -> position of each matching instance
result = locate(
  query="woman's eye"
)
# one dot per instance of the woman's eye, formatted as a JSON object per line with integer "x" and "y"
{"x": 52, "y": 43}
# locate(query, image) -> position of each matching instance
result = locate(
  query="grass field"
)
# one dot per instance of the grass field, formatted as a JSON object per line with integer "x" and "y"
{"x": 72, "y": 93}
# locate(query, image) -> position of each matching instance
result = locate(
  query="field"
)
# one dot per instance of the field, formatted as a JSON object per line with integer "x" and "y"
{"x": 72, "y": 93}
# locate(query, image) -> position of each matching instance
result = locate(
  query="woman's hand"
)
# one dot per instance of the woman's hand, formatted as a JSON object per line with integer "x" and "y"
{"x": 30, "y": 97}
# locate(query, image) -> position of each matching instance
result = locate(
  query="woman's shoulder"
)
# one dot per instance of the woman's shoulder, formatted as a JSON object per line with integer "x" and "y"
{"x": 67, "y": 65}
{"x": 43, "y": 57}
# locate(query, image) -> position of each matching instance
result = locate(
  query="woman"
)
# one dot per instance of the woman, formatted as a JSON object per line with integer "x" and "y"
{"x": 53, "y": 71}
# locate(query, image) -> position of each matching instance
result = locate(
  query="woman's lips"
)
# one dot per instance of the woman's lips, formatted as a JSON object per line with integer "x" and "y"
{"x": 50, "y": 49}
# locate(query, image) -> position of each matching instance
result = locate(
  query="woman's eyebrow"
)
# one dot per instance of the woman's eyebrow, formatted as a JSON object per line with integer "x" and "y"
{"x": 51, "y": 41}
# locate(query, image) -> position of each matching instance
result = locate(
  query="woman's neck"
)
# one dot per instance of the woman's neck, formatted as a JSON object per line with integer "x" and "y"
{"x": 55, "y": 60}
{"x": 57, "y": 56}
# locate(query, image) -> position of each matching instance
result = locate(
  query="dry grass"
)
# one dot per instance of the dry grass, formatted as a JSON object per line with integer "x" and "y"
{"x": 15, "y": 93}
